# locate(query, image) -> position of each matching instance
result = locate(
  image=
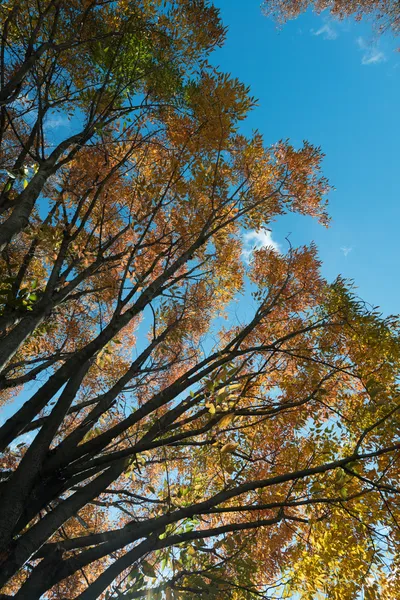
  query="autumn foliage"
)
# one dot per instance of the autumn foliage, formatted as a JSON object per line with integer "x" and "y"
{"x": 384, "y": 13}
{"x": 154, "y": 443}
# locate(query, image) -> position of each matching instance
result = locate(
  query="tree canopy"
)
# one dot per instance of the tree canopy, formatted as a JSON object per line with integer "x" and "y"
{"x": 157, "y": 446}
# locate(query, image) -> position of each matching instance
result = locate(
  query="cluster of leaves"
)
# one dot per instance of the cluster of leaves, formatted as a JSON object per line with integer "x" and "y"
{"x": 386, "y": 13}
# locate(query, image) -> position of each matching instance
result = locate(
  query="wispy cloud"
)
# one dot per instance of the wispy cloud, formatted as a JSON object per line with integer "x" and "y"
{"x": 56, "y": 121}
{"x": 346, "y": 250}
{"x": 327, "y": 32}
{"x": 372, "y": 55}
{"x": 254, "y": 240}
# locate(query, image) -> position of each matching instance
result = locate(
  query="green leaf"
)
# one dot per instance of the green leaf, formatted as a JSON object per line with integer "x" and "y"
{"x": 148, "y": 569}
{"x": 133, "y": 574}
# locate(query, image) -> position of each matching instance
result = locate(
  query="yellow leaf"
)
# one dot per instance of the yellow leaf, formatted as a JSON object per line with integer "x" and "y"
{"x": 227, "y": 420}
{"x": 229, "y": 447}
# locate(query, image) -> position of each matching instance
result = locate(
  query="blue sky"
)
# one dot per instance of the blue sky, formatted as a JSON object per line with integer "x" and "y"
{"x": 334, "y": 85}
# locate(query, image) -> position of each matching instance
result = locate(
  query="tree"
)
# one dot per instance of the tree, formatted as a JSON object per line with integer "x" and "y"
{"x": 158, "y": 451}
{"x": 385, "y": 13}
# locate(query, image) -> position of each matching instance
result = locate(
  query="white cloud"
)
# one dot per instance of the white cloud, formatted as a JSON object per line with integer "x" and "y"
{"x": 254, "y": 240}
{"x": 371, "y": 54}
{"x": 375, "y": 56}
{"x": 326, "y": 31}
{"x": 346, "y": 250}
{"x": 55, "y": 121}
